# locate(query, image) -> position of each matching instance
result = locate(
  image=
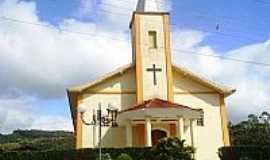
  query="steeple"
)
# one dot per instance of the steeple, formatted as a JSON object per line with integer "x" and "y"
{"x": 150, "y": 31}
{"x": 147, "y": 6}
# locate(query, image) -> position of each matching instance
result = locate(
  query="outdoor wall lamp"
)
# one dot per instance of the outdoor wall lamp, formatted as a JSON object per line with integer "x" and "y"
{"x": 100, "y": 120}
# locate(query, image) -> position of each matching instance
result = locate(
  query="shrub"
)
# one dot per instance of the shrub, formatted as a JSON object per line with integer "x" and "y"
{"x": 105, "y": 156}
{"x": 172, "y": 149}
{"x": 168, "y": 149}
{"x": 82, "y": 154}
{"x": 245, "y": 153}
{"x": 124, "y": 156}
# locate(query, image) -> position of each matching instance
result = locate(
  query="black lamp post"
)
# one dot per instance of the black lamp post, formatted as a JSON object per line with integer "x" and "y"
{"x": 100, "y": 120}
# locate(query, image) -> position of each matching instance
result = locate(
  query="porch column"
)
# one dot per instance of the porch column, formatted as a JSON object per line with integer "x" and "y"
{"x": 148, "y": 130}
{"x": 128, "y": 134}
{"x": 94, "y": 136}
{"x": 94, "y": 132}
{"x": 192, "y": 124}
{"x": 180, "y": 128}
{"x": 192, "y": 133}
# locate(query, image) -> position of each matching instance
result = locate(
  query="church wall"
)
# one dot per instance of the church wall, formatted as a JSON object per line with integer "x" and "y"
{"x": 120, "y": 91}
{"x": 118, "y": 134}
{"x": 124, "y": 82}
{"x": 152, "y": 56}
{"x": 193, "y": 94}
{"x": 208, "y": 137}
{"x": 184, "y": 84}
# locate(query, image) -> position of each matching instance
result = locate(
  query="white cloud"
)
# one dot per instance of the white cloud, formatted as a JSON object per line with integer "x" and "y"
{"x": 251, "y": 81}
{"x": 45, "y": 61}
{"x": 14, "y": 113}
{"x": 52, "y": 123}
{"x": 86, "y": 8}
{"x": 21, "y": 112}
{"x": 187, "y": 39}
{"x": 113, "y": 14}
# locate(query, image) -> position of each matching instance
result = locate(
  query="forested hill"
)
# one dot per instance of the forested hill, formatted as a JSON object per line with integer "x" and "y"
{"x": 37, "y": 140}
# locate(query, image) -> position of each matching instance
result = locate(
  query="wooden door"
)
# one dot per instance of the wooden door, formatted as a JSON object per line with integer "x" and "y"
{"x": 157, "y": 135}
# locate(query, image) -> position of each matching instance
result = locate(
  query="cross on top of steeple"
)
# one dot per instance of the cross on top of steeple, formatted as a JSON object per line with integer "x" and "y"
{"x": 147, "y": 6}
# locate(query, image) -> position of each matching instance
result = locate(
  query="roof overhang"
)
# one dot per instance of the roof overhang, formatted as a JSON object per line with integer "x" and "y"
{"x": 146, "y": 13}
{"x": 222, "y": 89}
{"x": 83, "y": 87}
{"x": 158, "y": 113}
{"x": 158, "y": 109}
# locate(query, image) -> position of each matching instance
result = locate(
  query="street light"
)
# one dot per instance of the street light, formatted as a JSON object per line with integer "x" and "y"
{"x": 100, "y": 120}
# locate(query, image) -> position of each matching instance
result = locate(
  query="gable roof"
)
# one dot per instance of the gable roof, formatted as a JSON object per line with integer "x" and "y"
{"x": 226, "y": 90}
{"x": 83, "y": 87}
{"x": 197, "y": 77}
{"x": 159, "y": 103}
{"x": 158, "y": 108}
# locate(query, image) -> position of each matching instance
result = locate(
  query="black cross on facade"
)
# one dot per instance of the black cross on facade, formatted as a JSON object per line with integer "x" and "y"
{"x": 154, "y": 70}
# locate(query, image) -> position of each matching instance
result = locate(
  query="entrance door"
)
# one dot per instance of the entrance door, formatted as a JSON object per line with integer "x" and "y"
{"x": 157, "y": 135}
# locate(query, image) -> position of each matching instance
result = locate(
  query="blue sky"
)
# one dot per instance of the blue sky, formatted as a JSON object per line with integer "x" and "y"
{"x": 241, "y": 22}
{"x": 244, "y": 31}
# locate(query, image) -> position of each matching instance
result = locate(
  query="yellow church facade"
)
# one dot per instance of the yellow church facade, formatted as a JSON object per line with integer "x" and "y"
{"x": 154, "y": 97}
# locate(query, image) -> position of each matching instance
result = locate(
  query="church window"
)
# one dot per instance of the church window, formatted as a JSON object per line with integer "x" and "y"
{"x": 152, "y": 39}
{"x": 200, "y": 121}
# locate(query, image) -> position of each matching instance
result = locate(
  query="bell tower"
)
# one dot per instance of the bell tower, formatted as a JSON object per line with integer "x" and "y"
{"x": 152, "y": 52}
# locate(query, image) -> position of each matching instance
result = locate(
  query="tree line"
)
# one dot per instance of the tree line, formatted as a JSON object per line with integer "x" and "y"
{"x": 255, "y": 131}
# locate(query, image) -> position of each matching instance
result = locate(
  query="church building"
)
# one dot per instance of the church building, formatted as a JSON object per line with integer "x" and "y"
{"x": 154, "y": 97}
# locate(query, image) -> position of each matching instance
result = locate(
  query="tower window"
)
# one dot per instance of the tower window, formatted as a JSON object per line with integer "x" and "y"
{"x": 152, "y": 39}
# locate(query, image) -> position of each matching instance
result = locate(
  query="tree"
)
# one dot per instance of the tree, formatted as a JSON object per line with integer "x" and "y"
{"x": 124, "y": 156}
{"x": 37, "y": 140}
{"x": 172, "y": 149}
{"x": 254, "y": 131}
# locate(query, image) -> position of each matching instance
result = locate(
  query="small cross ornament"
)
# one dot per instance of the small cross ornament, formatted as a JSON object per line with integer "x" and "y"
{"x": 154, "y": 70}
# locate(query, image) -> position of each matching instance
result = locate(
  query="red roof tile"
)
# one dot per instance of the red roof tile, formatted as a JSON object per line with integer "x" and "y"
{"x": 159, "y": 103}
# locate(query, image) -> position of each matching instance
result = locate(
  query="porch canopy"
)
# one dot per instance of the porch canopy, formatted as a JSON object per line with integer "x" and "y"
{"x": 160, "y": 109}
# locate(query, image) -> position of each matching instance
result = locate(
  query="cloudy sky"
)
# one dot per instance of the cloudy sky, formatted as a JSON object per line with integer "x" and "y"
{"x": 47, "y": 46}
